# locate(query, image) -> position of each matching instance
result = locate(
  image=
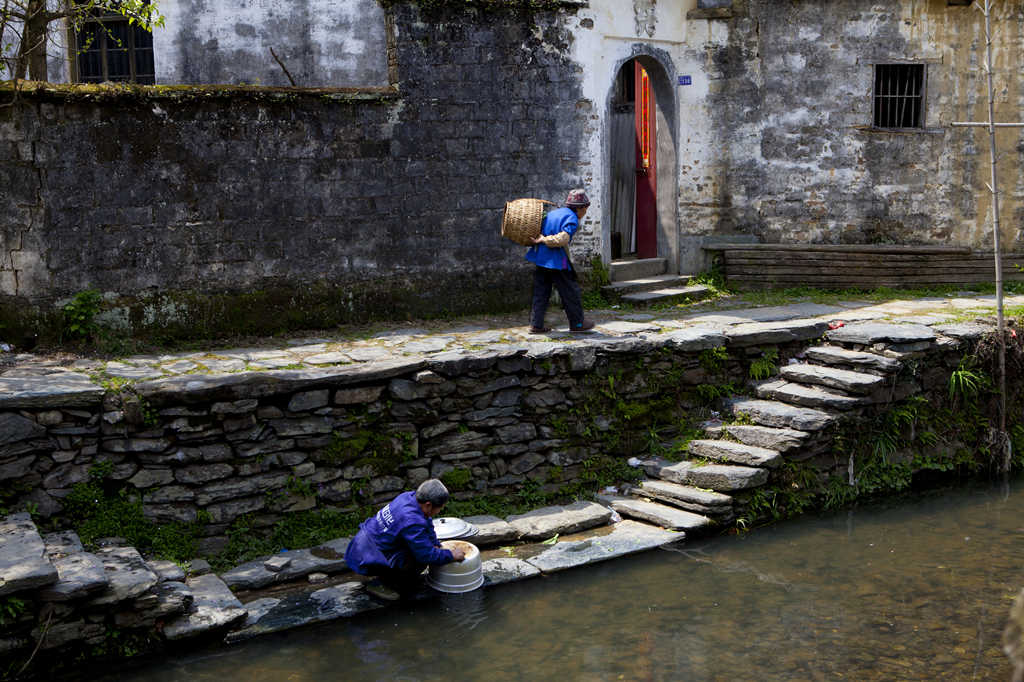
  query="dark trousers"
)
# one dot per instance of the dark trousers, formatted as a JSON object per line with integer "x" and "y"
{"x": 405, "y": 581}
{"x": 568, "y": 290}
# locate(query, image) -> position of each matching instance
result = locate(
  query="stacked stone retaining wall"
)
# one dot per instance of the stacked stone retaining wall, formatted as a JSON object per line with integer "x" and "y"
{"x": 489, "y": 422}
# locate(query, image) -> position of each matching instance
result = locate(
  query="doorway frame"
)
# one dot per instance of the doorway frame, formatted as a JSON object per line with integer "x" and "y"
{"x": 662, "y": 74}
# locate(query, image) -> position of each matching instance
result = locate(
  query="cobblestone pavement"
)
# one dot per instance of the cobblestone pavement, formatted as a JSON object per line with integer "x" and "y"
{"x": 436, "y": 337}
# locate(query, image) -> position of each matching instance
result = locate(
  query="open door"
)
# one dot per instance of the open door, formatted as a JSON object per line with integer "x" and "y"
{"x": 646, "y": 165}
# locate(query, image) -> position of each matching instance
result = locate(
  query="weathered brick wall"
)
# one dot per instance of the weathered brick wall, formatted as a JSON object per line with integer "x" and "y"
{"x": 210, "y": 210}
{"x": 792, "y": 109}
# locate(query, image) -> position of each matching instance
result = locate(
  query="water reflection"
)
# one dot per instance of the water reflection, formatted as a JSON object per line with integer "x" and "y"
{"x": 916, "y": 591}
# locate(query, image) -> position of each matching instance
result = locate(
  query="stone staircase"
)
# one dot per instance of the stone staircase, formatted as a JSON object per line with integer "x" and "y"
{"x": 790, "y": 418}
{"x": 644, "y": 281}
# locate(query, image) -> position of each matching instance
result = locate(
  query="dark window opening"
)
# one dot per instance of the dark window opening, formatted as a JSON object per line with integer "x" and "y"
{"x": 899, "y": 96}
{"x": 108, "y": 48}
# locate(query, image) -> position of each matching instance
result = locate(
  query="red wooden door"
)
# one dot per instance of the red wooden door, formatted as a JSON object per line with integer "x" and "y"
{"x": 646, "y": 167}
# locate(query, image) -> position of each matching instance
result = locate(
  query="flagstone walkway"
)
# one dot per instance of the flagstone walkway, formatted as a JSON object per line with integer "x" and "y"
{"x": 434, "y": 338}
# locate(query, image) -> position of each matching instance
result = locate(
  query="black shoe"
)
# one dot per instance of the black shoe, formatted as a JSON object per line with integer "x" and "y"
{"x": 539, "y": 330}
{"x": 585, "y": 326}
{"x": 382, "y": 592}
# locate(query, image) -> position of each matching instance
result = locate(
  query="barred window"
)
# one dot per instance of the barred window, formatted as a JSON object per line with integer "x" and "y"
{"x": 899, "y": 96}
{"x": 108, "y": 48}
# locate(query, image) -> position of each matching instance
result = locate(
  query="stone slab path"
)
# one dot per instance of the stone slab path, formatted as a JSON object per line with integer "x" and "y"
{"x": 28, "y": 380}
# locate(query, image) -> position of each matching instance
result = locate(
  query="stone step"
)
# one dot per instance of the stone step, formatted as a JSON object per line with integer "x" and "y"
{"x": 128, "y": 575}
{"x": 213, "y": 607}
{"x": 544, "y": 523}
{"x": 771, "y": 333}
{"x": 491, "y": 530}
{"x": 859, "y": 360}
{"x": 696, "y": 292}
{"x": 808, "y": 396}
{"x": 706, "y": 502}
{"x": 80, "y": 573}
{"x": 775, "y": 413}
{"x": 736, "y": 453}
{"x": 632, "y": 286}
{"x": 718, "y": 477}
{"x": 830, "y": 377}
{"x": 885, "y": 333}
{"x": 782, "y": 440}
{"x": 663, "y": 516}
{"x": 24, "y": 564}
{"x": 636, "y": 268}
{"x": 654, "y": 490}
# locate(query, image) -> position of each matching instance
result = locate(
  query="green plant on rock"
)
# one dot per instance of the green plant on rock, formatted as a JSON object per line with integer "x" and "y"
{"x": 713, "y": 279}
{"x": 713, "y": 360}
{"x": 79, "y": 315}
{"x": 457, "y": 479}
{"x": 966, "y": 381}
{"x": 100, "y": 507}
{"x": 299, "y": 487}
{"x": 766, "y": 365}
{"x": 369, "y": 446}
{"x": 708, "y": 394}
{"x": 11, "y": 610}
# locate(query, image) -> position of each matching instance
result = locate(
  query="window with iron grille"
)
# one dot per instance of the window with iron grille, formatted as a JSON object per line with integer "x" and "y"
{"x": 899, "y": 96}
{"x": 108, "y": 48}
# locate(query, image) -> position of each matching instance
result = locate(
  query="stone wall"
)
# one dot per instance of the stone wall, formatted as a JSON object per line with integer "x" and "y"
{"x": 496, "y": 421}
{"x": 268, "y": 443}
{"x": 201, "y": 211}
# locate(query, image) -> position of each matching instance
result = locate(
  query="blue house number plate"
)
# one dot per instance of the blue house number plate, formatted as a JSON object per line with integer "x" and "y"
{"x": 685, "y": 80}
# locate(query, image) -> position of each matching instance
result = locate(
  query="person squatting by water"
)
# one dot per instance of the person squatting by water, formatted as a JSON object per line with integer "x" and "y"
{"x": 550, "y": 253}
{"x": 399, "y": 541}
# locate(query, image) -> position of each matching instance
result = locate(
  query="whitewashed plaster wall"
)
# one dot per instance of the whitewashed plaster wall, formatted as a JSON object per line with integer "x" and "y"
{"x": 323, "y": 43}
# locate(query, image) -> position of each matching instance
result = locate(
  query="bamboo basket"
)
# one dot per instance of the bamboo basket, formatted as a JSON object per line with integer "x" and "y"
{"x": 523, "y": 219}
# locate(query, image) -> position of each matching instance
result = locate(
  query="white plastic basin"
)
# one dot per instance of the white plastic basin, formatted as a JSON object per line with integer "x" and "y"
{"x": 458, "y": 576}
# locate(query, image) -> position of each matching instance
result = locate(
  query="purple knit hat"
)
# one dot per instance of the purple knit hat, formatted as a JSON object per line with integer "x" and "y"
{"x": 577, "y": 198}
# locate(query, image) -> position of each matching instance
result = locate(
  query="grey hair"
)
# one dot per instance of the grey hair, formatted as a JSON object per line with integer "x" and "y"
{"x": 432, "y": 491}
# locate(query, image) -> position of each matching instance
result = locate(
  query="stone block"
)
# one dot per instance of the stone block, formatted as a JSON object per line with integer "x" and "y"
{"x": 309, "y": 400}
{"x": 546, "y": 522}
{"x": 214, "y": 607}
{"x": 24, "y": 563}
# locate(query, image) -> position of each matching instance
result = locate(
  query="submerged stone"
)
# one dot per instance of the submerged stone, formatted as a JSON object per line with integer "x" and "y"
{"x": 326, "y": 558}
{"x": 329, "y": 603}
{"x": 507, "y": 570}
{"x": 628, "y": 537}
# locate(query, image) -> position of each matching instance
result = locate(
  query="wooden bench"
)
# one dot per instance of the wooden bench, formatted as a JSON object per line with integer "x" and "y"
{"x": 861, "y": 266}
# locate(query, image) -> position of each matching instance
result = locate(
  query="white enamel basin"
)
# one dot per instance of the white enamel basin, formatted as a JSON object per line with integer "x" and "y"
{"x": 458, "y": 576}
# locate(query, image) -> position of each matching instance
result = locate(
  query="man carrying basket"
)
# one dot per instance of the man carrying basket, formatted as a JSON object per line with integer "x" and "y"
{"x": 550, "y": 254}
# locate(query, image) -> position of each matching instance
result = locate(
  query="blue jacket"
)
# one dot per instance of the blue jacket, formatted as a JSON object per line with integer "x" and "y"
{"x": 560, "y": 220}
{"x": 399, "y": 536}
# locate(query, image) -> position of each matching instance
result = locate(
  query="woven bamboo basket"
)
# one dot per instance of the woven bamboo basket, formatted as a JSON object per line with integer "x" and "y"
{"x": 523, "y": 219}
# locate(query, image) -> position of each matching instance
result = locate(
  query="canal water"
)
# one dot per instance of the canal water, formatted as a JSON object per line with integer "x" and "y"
{"x": 914, "y": 590}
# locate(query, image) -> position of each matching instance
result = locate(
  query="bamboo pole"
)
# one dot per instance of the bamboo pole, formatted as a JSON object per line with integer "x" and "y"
{"x": 986, "y": 8}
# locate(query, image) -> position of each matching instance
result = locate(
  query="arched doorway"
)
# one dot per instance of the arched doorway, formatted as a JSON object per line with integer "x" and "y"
{"x": 642, "y": 191}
